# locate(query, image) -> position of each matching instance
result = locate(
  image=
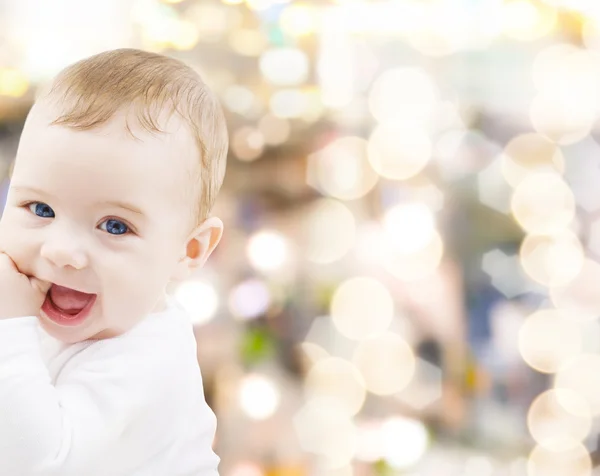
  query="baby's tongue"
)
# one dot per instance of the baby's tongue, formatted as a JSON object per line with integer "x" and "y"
{"x": 69, "y": 300}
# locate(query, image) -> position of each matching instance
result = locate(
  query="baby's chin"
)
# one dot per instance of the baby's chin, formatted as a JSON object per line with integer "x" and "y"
{"x": 66, "y": 337}
{"x": 76, "y": 336}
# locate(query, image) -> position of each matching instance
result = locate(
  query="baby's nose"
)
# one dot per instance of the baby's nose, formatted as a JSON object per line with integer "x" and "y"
{"x": 64, "y": 253}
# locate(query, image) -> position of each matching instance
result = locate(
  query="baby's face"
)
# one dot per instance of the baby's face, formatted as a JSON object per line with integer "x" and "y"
{"x": 101, "y": 213}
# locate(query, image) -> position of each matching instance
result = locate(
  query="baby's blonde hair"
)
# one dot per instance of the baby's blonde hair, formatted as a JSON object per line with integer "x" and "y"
{"x": 92, "y": 90}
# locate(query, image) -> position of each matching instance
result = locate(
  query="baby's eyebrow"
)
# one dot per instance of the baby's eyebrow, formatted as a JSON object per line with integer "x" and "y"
{"x": 126, "y": 206}
{"x": 111, "y": 203}
{"x": 22, "y": 188}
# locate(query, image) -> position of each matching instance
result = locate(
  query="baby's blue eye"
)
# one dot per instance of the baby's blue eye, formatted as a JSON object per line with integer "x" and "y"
{"x": 114, "y": 227}
{"x": 41, "y": 210}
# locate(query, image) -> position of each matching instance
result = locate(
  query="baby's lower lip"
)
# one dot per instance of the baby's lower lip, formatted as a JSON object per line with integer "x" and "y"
{"x": 61, "y": 318}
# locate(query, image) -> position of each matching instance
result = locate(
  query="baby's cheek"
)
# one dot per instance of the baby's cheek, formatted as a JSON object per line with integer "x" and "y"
{"x": 7, "y": 233}
{"x": 18, "y": 244}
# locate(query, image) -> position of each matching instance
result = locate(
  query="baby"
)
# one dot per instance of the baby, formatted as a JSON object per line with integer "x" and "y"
{"x": 117, "y": 169}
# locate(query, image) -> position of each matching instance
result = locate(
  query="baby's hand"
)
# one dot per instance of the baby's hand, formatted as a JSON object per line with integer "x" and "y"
{"x": 19, "y": 295}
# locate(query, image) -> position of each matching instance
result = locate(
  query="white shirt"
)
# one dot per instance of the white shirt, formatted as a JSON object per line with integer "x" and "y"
{"x": 132, "y": 405}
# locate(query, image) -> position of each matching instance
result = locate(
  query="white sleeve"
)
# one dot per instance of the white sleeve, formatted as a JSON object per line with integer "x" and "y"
{"x": 61, "y": 430}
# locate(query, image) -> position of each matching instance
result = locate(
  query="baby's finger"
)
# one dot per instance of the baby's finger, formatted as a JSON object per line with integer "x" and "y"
{"x": 41, "y": 286}
{"x": 7, "y": 262}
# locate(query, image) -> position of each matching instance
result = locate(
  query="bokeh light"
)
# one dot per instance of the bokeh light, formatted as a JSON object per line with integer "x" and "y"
{"x": 264, "y": 4}
{"x": 259, "y": 396}
{"x": 361, "y": 307}
{"x": 548, "y": 338}
{"x": 552, "y": 260}
{"x": 565, "y": 67}
{"x": 574, "y": 462}
{"x": 404, "y": 440}
{"x": 543, "y": 203}
{"x": 275, "y": 130}
{"x": 284, "y": 66}
{"x": 417, "y": 265}
{"x": 403, "y": 95}
{"x": 299, "y": 19}
{"x": 336, "y": 65}
{"x": 433, "y": 35}
{"x": 580, "y": 297}
{"x": 249, "y": 299}
{"x": 590, "y": 32}
{"x": 324, "y": 428}
{"x": 580, "y": 374}
{"x": 268, "y": 250}
{"x": 341, "y": 169}
{"x": 460, "y": 152}
{"x": 13, "y": 83}
{"x": 199, "y": 299}
{"x": 386, "y": 362}
{"x": 248, "y": 143}
{"x": 371, "y": 247}
{"x": 479, "y": 466}
{"x": 339, "y": 379}
{"x": 239, "y": 99}
{"x": 313, "y": 352}
{"x": 212, "y": 21}
{"x": 288, "y": 103}
{"x": 370, "y": 444}
{"x": 411, "y": 247}
{"x": 399, "y": 151}
{"x": 530, "y": 153}
{"x": 248, "y": 42}
{"x": 410, "y": 227}
{"x": 566, "y": 78}
{"x": 559, "y": 420}
{"x": 565, "y": 119}
{"x": 330, "y": 230}
{"x": 527, "y": 20}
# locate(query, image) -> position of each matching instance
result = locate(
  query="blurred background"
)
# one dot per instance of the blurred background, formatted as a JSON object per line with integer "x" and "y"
{"x": 407, "y": 282}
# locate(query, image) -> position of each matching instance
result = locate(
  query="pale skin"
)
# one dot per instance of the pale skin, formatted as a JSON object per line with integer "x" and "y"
{"x": 102, "y": 213}
{"x": 20, "y": 295}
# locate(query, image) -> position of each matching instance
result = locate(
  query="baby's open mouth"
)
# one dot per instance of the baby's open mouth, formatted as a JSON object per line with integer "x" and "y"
{"x": 69, "y": 301}
{"x": 67, "y": 306}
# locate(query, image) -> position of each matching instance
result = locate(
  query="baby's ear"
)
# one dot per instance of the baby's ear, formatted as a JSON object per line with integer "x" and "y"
{"x": 199, "y": 246}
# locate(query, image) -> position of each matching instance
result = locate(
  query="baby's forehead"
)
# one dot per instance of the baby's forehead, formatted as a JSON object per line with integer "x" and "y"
{"x": 122, "y": 140}
{"x": 137, "y": 121}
